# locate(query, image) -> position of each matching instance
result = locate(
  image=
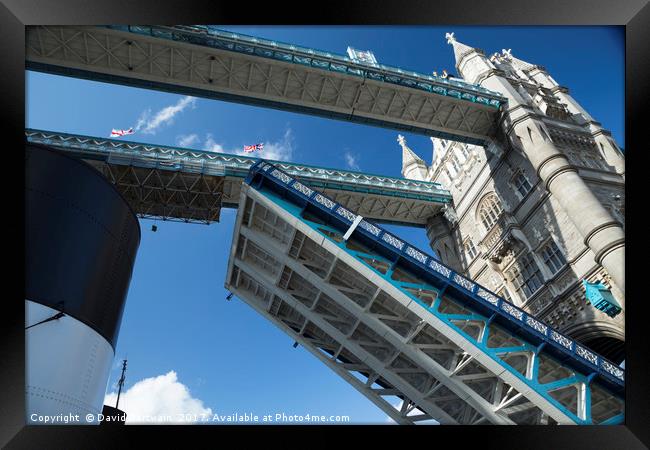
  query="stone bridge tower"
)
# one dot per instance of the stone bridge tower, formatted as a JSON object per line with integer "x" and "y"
{"x": 541, "y": 207}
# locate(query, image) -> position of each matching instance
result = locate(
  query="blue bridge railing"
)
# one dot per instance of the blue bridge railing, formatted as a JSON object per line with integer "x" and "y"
{"x": 480, "y": 298}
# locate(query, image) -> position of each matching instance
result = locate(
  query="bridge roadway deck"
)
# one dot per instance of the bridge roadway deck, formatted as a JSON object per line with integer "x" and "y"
{"x": 419, "y": 340}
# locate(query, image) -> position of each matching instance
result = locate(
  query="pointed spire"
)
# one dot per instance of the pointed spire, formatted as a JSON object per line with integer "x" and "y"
{"x": 411, "y": 163}
{"x": 460, "y": 50}
{"x": 516, "y": 62}
{"x": 408, "y": 156}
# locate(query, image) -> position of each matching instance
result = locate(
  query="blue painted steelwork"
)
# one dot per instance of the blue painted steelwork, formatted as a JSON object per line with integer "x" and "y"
{"x": 483, "y": 305}
{"x": 210, "y": 36}
{"x": 601, "y": 298}
{"x": 223, "y": 164}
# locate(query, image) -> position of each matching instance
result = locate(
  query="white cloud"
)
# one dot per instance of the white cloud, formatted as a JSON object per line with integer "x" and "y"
{"x": 281, "y": 150}
{"x": 186, "y": 140}
{"x": 149, "y": 125}
{"x": 151, "y": 400}
{"x": 351, "y": 160}
{"x": 211, "y": 145}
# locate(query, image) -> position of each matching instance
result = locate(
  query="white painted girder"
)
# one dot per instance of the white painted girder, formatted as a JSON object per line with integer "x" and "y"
{"x": 374, "y": 323}
{"x": 374, "y": 395}
{"x": 134, "y": 56}
{"x": 356, "y": 348}
{"x": 155, "y": 193}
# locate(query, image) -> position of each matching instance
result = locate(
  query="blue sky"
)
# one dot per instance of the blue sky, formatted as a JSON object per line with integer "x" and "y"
{"x": 190, "y": 350}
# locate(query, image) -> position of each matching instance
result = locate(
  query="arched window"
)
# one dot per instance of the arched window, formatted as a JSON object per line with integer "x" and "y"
{"x": 470, "y": 249}
{"x": 489, "y": 210}
{"x": 553, "y": 257}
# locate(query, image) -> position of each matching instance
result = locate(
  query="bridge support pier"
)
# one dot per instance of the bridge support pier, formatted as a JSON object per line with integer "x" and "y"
{"x": 81, "y": 239}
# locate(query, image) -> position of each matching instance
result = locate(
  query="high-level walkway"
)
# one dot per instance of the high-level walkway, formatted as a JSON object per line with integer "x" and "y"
{"x": 189, "y": 185}
{"x": 206, "y": 62}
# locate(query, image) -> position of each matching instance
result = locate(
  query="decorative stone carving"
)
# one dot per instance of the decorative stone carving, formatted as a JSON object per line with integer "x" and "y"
{"x": 565, "y": 281}
{"x": 539, "y": 303}
{"x": 494, "y": 281}
{"x": 450, "y": 214}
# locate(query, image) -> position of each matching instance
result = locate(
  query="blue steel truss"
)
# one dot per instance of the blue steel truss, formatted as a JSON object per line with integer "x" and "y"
{"x": 225, "y": 40}
{"x": 483, "y": 305}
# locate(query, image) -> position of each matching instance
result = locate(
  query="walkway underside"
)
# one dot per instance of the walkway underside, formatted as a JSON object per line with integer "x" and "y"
{"x": 414, "y": 350}
{"x": 189, "y": 197}
{"x": 188, "y": 185}
{"x": 219, "y": 67}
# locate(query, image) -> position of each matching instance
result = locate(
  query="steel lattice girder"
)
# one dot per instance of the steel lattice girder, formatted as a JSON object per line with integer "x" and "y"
{"x": 134, "y": 59}
{"x": 167, "y": 195}
{"x": 192, "y": 185}
{"x": 456, "y": 365}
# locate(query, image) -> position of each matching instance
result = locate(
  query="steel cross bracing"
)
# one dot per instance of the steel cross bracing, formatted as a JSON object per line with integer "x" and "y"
{"x": 399, "y": 325}
{"x": 204, "y": 62}
{"x": 193, "y": 185}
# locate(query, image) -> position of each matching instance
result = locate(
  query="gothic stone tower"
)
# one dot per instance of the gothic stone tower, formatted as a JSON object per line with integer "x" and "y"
{"x": 540, "y": 208}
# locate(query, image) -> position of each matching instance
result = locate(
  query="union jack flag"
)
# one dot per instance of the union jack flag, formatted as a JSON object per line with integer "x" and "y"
{"x": 252, "y": 148}
{"x": 115, "y": 132}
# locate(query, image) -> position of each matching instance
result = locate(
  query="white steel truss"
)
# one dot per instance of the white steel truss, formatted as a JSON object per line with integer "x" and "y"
{"x": 188, "y": 185}
{"x": 198, "y": 198}
{"x": 385, "y": 345}
{"x": 130, "y": 58}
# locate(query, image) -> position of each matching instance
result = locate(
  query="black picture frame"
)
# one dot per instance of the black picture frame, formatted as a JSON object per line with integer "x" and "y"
{"x": 634, "y": 15}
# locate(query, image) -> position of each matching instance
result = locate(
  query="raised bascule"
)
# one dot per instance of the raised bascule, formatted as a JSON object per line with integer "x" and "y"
{"x": 419, "y": 334}
{"x": 394, "y": 321}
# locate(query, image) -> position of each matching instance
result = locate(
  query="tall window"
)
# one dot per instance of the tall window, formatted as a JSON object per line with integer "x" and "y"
{"x": 464, "y": 151}
{"x": 526, "y": 277}
{"x": 553, "y": 257}
{"x": 521, "y": 184}
{"x": 454, "y": 162}
{"x": 470, "y": 249}
{"x": 489, "y": 211}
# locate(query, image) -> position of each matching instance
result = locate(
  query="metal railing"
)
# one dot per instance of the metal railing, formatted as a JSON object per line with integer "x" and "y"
{"x": 223, "y": 164}
{"x": 480, "y": 296}
{"x": 210, "y": 36}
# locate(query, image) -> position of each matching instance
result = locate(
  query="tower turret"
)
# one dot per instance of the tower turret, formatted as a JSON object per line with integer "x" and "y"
{"x": 413, "y": 167}
{"x": 527, "y": 127}
{"x": 475, "y": 67}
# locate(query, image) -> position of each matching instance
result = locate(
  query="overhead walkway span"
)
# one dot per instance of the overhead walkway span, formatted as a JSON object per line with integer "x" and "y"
{"x": 188, "y": 185}
{"x": 207, "y": 62}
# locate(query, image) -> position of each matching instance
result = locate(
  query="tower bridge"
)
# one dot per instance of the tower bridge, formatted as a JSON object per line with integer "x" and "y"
{"x": 206, "y": 62}
{"x": 308, "y": 250}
